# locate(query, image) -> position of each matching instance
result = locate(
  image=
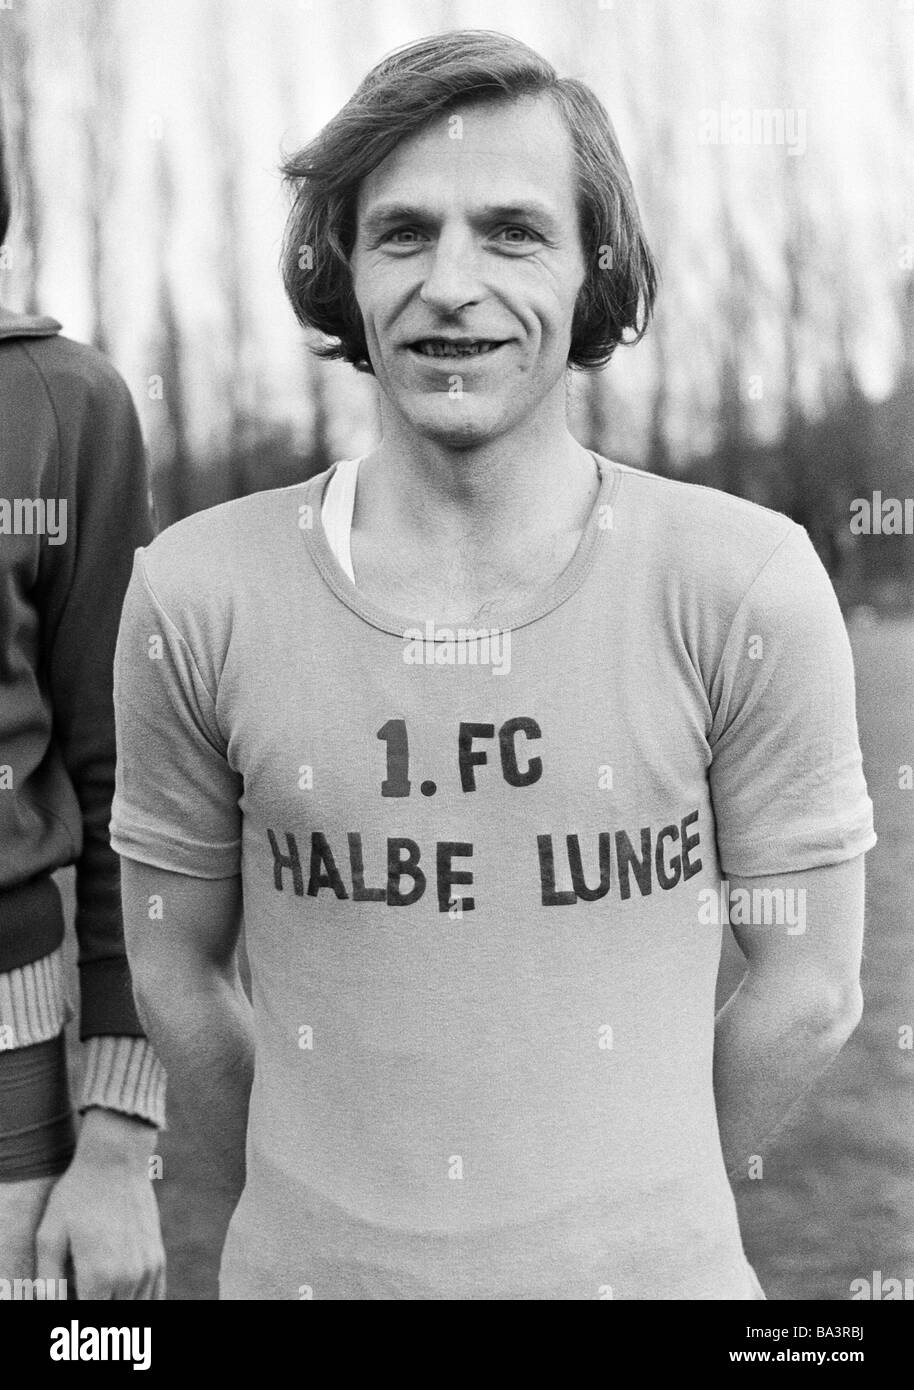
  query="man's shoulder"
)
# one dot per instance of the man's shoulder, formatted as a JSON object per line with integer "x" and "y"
{"x": 223, "y": 548}
{"x": 68, "y": 369}
{"x": 254, "y": 516}
{"x": 681, "y": 503}
{"x": 702, "y": 533}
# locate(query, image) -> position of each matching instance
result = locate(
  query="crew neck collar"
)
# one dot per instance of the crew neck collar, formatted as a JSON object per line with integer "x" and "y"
{"x": 597, "y": 530}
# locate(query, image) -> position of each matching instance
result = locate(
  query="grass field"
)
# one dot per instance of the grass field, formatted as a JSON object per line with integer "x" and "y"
{"x": 837, "y": 1198}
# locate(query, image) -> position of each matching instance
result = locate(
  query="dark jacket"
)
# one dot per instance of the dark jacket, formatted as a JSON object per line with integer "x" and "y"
{"x": 68, "y": 433}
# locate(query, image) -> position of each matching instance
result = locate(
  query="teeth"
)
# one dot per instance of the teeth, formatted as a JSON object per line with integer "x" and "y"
{"x": 430, "y": 348}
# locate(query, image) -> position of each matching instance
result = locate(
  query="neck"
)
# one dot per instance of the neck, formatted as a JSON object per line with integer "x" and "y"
{"x": 473, "y": 497}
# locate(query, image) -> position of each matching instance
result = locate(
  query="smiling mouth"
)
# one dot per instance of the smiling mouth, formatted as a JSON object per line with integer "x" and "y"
{"x": 462, "y": 347}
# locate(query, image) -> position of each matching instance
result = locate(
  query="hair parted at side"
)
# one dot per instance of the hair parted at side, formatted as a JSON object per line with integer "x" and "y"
{"x": 405, "y": 91}
{"x": 5, "y": 204}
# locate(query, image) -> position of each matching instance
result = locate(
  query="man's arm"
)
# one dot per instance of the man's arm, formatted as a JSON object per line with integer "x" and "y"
{"x": 102, "y": 1212}
{"x": 795, "y": 1008}
{"x": 190, "y": 1000}
{"x": 82, "y": 591}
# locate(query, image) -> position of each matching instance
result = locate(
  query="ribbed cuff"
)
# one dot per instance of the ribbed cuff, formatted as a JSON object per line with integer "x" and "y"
{"x": 124, "y": 1074}
{"x": 33, "y": 1003}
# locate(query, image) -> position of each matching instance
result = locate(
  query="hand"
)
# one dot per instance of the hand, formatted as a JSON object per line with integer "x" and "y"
{"x": 103, "y": 1214}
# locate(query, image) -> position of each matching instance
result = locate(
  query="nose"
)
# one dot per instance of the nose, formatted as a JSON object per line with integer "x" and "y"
{"x": 452, "y": 280}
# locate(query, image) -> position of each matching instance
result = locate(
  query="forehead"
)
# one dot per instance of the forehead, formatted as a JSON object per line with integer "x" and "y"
{"x": 518, "y": 149}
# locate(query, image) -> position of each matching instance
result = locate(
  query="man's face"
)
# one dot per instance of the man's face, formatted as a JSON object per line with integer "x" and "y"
{"x": 466, "y": 266}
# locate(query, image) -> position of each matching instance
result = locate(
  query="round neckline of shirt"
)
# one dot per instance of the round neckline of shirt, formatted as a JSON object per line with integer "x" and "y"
{"x": 540, "y": 604}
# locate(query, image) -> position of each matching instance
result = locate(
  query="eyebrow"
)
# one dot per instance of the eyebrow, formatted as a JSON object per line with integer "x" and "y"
{"x": 385, "y": 214}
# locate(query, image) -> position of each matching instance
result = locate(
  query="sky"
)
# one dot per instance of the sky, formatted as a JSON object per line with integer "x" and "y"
{"x": 214, "y": 91}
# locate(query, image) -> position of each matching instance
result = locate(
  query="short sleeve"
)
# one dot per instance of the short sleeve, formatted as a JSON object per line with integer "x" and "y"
{"x": 786, "y": 775}
{"x": 176, "y": 797}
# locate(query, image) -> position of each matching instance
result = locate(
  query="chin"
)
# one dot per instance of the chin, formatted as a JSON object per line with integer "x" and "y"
{"x": 472, "y": 429}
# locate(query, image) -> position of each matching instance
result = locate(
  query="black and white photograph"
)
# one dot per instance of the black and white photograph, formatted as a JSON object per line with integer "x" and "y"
{"x": 457, "y": 662}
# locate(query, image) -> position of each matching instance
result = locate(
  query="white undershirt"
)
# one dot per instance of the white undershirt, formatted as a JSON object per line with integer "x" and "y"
{"x": 336, "y": 512}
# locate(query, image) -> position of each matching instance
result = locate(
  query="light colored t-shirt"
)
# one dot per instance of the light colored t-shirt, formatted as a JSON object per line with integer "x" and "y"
{"x": 479, "y": 874}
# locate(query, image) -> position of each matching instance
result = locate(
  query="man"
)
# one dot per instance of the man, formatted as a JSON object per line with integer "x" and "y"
{"x": 475, "y": 764}
{"x": 73, "y": 509}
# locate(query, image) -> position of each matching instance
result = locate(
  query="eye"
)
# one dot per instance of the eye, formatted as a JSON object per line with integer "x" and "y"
{"x": 517, "y": 236}
{"x": 403, "y": 236}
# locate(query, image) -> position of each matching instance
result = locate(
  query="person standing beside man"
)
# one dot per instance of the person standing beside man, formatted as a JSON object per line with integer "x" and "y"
{"x": 76, "y": 1200}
